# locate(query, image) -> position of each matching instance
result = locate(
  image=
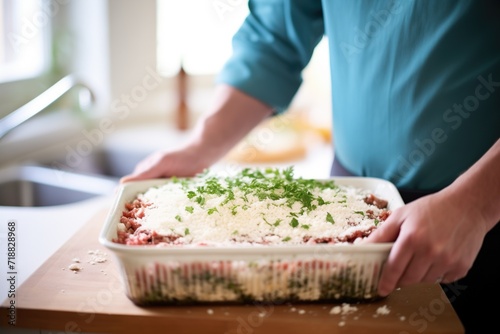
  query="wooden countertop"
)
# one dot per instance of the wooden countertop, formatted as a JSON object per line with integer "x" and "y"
{"x": 93, "y": 300}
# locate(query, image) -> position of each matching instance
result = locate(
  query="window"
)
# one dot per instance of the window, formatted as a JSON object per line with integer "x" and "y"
{"x": 24, "y": 27}
{"x": 197, "y": 33}
{"x": 25, "y": 49}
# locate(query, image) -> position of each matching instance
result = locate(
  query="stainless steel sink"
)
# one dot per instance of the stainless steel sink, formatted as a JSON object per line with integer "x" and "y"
{"x": 101, "y": 162}
{"x": 37, "y": 186}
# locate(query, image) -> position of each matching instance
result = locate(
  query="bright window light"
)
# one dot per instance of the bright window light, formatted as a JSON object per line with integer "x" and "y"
{"x": 197, "y": 33}
{"x": 24, "y": 27}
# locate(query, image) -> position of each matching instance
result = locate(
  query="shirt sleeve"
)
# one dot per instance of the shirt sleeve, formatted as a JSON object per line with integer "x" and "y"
{"x": 272, "y": 47}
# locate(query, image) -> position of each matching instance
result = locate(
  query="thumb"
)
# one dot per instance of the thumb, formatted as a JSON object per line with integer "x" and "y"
{"x": 388, "y": 231}
{"x": 140, "y": 175}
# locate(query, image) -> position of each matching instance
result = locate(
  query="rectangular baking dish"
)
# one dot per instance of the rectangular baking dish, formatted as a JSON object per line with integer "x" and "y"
{"x": 309, "y": 273}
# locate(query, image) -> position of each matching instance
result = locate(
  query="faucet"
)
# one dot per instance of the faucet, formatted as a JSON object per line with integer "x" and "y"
{"x": 85, "y": 99}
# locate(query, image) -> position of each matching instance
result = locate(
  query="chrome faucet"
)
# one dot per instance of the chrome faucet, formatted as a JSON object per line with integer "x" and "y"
{"x": 86, "y": 99}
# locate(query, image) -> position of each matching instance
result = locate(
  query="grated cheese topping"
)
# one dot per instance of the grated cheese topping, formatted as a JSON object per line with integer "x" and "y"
{"x": 255, "y": 206}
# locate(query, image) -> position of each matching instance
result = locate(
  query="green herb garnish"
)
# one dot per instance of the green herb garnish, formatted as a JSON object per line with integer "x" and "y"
{"x": 212, "y": 210}
{"x": 329, "y": 218}
{"x": 200, "y": 200}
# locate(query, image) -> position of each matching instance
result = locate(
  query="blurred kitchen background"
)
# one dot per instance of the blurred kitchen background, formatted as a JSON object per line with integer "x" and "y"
{"x": 93, "y": 86}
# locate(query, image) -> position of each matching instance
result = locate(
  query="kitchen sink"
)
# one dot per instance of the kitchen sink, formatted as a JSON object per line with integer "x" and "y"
{"x": 39, "y": 186}
{"x": 111, "y": 163}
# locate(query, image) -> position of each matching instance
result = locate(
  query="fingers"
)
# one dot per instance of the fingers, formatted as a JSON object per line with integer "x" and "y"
{"x": 404, "y": 265}
{"x": 164, "y": 164}
{"x": 138, "y": 176}
{"x": 396, "y": 265}
{"x": 148, "y": 168}
{"x": 388, "y": 231}
{"x": 140, "y": 173}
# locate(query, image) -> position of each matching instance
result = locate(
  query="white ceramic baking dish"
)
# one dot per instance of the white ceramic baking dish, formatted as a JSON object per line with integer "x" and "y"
{"x": 322, "y": 272}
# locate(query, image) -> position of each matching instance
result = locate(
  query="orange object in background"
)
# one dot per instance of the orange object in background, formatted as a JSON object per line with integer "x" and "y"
{"x": 283, "y": 138}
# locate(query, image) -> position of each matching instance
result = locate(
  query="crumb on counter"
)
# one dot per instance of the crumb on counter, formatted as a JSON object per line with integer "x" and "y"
{"x": 96, "y": 256}
{"x": 383, "y": 310}
{"x": 335, "y": 310}
{"x": 74, "y": 267}
{"x": 343, "y": 309}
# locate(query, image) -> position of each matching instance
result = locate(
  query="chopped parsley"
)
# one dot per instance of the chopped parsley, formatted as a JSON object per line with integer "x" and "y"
{"x": 212, "y": 210}
{"x": 329, "y": 218}
{"x": 271, "y": 183}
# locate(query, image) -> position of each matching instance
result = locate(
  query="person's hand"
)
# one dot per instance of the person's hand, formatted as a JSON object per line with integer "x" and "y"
{"x": 231, "y": 117}
{"x": 179, "y": 163}
{"x": 436, "y": 239}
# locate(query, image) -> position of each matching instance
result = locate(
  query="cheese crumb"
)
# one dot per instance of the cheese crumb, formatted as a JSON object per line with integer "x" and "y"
{"x": 210, "y": 311}
{"x": 96, "y": 256}
{"x": 348, "y": 309}
{"x": 343, "y": 309}
{"x": 74, "y": 267}
{"x": 335, "y": 310}
{"x": 383, "y": 310}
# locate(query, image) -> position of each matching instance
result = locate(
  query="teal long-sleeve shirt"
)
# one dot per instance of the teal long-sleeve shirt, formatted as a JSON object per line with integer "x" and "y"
{"x": 415, "y": 84}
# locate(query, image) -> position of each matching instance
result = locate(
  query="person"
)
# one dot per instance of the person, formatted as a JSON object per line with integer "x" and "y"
{"x": 415, "y": 89}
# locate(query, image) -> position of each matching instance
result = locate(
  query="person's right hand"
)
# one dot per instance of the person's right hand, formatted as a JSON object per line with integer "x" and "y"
{"x": 161, "y": 164}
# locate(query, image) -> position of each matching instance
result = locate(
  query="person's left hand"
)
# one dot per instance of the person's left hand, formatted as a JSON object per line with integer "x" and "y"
{"x": 436, "y": 239}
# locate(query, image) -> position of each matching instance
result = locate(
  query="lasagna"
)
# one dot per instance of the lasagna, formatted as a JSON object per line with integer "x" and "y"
{"x": 252, "y": 207}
